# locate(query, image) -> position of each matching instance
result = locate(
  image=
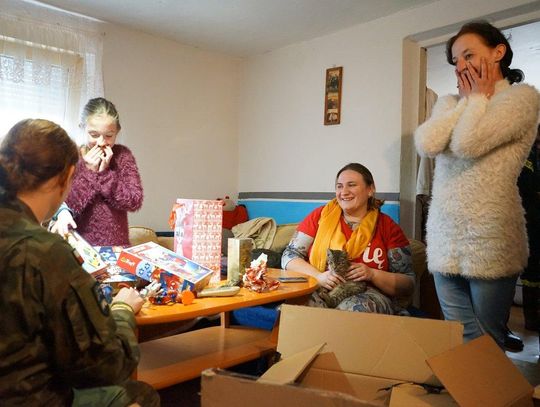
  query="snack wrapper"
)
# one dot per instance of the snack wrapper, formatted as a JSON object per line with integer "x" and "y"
{"x": 255, "y": 278}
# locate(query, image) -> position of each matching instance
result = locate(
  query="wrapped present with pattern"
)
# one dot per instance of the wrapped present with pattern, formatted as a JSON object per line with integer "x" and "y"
{"x": 197, "y": 227}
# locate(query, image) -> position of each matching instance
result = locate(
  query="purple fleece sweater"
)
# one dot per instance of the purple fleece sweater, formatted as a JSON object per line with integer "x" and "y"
{"x": 101, "y": 200}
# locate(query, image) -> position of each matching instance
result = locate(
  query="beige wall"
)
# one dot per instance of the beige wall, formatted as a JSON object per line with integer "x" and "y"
{"x": 206, "y": 125}
{"x": 179, "y": 112}
{"x": 203, "y": 125}
{"x": 284, "y": 145}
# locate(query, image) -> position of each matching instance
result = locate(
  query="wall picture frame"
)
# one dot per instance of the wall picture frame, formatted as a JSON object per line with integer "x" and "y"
{"x": 332, "y": 96}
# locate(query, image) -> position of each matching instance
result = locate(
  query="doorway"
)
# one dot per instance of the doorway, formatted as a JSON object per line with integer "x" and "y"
{"x": 525, "y": 42}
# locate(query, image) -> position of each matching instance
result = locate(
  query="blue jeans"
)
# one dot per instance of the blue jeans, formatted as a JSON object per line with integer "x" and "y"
{"x": 482, "y": 306}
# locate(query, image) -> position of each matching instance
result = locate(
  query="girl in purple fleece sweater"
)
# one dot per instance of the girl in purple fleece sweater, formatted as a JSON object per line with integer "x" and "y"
{"x": 107, "y": 183}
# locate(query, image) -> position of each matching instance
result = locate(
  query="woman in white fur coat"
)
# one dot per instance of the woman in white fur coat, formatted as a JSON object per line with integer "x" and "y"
{"x": 476, "y": 238}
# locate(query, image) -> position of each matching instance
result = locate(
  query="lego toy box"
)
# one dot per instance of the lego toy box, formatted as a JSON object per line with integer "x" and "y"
{"x": 117, "y": 275}
{"x": 153, "y": 262}
{"x": 109, "y": 254}
{"x": 89, "y": 258}
{"x": 197, "y": 227}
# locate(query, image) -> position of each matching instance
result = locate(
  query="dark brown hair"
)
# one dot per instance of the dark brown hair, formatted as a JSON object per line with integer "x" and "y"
{"x": 373, "y": 203}
{"x": 491, "y": 36}
{"x": 33, "y": 152}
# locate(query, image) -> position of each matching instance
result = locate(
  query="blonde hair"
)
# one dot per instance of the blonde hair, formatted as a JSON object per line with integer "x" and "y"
{"x": 99, "y": 106}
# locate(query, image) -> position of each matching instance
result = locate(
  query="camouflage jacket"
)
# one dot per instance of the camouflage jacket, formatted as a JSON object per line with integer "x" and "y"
{"x": 56, "y": 330}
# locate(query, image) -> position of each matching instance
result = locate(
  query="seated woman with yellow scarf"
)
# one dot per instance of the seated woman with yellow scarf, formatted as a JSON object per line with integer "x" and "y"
{"x": 377, "y": 248}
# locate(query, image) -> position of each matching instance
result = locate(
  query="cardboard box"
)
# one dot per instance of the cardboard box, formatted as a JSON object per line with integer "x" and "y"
{"x": 197, "y": 232}
{"x": 153, "y": 262}
{"x": 336, "y": 358}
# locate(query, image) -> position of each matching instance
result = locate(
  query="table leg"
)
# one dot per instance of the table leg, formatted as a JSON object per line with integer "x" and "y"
{"x": 225, "y": 319}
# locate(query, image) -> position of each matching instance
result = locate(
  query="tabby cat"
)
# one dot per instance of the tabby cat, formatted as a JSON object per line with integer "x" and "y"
{"x": 338, "y": 262}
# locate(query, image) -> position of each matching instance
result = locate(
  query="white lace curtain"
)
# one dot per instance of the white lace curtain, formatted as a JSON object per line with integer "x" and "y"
{"x": 50, "y": 64}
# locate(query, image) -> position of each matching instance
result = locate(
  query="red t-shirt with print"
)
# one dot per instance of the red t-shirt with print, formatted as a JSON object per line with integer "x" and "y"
{"x": 388, "y": 235}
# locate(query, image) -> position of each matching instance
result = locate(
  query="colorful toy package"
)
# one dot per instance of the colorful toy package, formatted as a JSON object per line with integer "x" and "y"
{"x": 110, "y": 255}
{"x": 90, "y": 259}
{"x": 153, "y": 262}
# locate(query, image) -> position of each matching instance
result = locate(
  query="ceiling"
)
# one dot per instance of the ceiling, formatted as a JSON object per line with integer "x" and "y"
{"x": 251, "y": 27}
{"x": 237, "y": 27}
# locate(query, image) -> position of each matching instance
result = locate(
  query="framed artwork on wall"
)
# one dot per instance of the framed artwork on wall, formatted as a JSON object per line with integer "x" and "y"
{"x": 332, "y": 96}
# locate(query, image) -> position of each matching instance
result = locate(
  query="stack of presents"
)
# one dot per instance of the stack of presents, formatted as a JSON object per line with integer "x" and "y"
{"x": 194, "y": 263}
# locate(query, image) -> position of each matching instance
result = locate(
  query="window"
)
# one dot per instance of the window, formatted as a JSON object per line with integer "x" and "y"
{"x": 50, "y": 65}
{"x": 30, "y": 88}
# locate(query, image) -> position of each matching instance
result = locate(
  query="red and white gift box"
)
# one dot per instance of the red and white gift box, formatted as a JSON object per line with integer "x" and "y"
{"x": 197, "y": 227}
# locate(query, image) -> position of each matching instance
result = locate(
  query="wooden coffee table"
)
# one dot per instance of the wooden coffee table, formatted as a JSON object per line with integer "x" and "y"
{"x": 174, "y": 359}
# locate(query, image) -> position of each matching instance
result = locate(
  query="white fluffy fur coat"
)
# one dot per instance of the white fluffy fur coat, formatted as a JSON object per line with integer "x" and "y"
{"x": 476, "y": 225}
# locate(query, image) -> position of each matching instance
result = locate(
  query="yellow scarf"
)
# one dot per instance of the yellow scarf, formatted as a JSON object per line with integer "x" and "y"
{"x": 330, "y": 236}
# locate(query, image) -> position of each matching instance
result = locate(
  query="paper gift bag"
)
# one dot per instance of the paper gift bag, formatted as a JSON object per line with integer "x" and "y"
{"x": 197, "y": 232}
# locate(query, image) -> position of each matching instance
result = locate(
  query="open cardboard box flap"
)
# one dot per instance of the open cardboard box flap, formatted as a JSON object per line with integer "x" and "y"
{"x": 479, "y": 373}
{"x": 289, "y": 369}
{"x": 367, "y": 352}
{"x": 225, "y": 389}
{"x": 367, "y": 344}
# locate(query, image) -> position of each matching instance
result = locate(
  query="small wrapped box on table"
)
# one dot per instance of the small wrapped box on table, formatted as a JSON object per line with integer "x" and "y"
{"x": 153, "y": 262}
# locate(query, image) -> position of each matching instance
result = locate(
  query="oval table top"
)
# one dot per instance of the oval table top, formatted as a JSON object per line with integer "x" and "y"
{"x": 157, "y": 314}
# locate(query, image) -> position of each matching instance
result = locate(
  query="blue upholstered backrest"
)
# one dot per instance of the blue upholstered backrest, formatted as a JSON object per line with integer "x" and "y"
{"x": 294, "y": 210}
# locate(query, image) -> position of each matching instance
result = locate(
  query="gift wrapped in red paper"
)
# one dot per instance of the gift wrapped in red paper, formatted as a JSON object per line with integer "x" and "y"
{"x": 197, "y": 232}
{"x": 255, "y": 278}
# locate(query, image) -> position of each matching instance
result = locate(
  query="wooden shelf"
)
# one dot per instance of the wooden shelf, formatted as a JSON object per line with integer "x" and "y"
{"x": 167, "y": 361}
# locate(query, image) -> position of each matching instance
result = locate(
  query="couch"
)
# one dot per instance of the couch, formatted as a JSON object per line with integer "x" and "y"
{"x": 264, "y": 317}
{"x": 284, "y": 234}
{"x": 142, "y": 234}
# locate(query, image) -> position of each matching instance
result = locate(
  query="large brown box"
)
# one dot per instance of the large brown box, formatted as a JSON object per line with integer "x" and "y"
{"x": 336, "y": 358}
